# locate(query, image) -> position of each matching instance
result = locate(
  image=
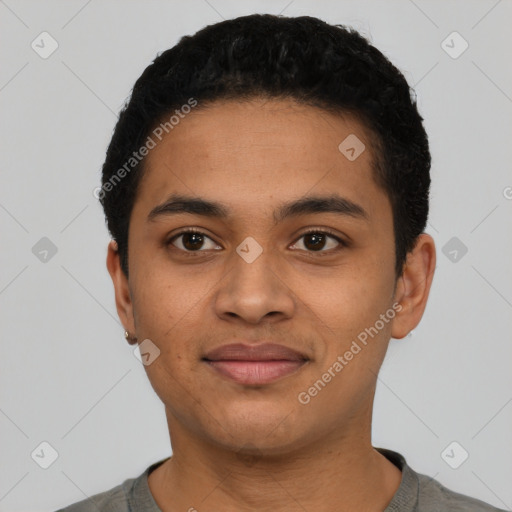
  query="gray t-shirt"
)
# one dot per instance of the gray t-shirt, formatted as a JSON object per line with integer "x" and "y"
{"x": 417, "y": 493}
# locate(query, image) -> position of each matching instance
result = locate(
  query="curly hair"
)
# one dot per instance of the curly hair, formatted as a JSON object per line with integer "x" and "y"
{"x": 331, "y": 67}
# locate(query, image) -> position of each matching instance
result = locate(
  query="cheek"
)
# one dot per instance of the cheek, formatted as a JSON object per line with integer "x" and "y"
{"x": 165, "y": 300}
{"x": 169, "y": 311}
{"x": 347, "y": 317}
{"x": 171, "y": 382}
{"x": 346, "y": 299}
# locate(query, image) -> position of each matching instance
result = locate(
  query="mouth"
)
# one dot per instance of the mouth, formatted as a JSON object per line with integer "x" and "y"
{"x": 255, "y": 364}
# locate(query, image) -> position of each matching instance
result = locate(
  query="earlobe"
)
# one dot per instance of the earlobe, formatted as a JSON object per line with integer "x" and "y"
{"x": 123, "y": 299}
{"x": 413, "y": 286}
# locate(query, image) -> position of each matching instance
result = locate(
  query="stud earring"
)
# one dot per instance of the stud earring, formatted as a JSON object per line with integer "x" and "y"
{"x": 129, "y": 338}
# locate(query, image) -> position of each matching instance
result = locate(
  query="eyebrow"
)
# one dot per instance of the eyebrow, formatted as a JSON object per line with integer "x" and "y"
{"x": 177, "y": 203}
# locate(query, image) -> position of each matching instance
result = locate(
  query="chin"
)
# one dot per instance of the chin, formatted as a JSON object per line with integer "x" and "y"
{"x": 253, "y": 431}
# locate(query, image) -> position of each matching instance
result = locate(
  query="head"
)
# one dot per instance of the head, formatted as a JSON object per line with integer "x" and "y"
{"x": 251, "y": 132}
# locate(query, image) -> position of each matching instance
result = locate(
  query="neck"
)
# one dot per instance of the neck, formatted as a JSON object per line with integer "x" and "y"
{"x": 343, "y": 473}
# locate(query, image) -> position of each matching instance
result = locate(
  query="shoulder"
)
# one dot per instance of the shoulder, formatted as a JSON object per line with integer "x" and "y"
{"x": 421, "y": 493}
{"x": 113, "y": 500}
{"x": 435, "y": 497}
{"x": 133, "y": 495}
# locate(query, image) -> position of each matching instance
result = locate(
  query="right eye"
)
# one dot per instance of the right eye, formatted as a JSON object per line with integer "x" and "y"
{"x": 192, "y": 240}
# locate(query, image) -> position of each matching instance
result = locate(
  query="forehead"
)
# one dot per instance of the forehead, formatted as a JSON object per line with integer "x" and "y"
{"x": 247, "y": 152}
{"x": 278, "y": 125}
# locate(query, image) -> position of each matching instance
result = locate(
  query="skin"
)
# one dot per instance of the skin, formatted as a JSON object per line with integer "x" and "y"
{"x": 235, "y": 447}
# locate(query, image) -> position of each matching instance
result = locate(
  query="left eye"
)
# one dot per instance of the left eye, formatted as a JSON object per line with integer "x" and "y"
{"x": 316, "y": 240}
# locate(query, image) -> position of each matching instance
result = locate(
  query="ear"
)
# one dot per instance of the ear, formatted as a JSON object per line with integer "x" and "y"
{"x": 413, "y": 286}
{"x": 122, "y": 291}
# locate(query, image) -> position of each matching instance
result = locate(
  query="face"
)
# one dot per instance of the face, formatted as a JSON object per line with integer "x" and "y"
{"x": 252, "y": 274}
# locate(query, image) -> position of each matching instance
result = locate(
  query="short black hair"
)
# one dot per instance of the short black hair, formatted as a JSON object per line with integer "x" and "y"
{"x": 301, "y": 58}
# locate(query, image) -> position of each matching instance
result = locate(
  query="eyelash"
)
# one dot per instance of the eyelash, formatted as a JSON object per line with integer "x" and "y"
{"x": 310, "y": 231}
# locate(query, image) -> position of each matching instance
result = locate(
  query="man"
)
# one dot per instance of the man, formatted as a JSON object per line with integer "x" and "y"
{"x": 266, "y": 189}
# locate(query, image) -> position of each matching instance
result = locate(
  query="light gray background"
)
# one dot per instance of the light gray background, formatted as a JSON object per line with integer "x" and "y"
{"x": 67, "y": 375}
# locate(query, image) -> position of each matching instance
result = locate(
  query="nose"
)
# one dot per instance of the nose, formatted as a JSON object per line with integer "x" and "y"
{"x": 254, "y": 291}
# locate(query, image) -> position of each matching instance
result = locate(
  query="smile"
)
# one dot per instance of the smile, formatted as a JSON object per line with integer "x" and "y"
{"x": 256, "y": 372}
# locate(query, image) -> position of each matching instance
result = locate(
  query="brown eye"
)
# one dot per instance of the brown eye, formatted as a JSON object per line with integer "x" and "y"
{"x": 316, "y": 241}
{"x": 191, "y": 241}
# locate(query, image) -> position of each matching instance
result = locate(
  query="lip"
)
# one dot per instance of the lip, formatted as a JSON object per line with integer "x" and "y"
{"x": 255, "y": 364}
